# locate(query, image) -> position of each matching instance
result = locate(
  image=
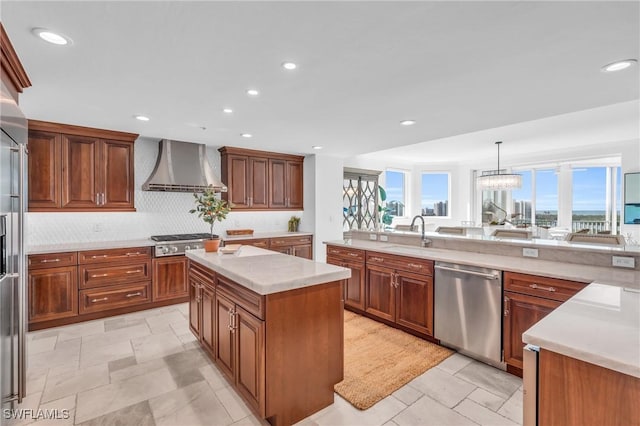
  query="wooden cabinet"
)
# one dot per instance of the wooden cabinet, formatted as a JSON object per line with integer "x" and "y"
{"x": 52, "y": 292}
{"x": 528, "y": 299}
{"x": 170, "y": 278}
{"x": 354, "y": 286}
{"x": 202, "y": 315}
{"x": 399, "y": 289}
{"x": 114, "y": 296}
{"x": 301, "y": 246}
{"x": 73, "y": 168}
{"x": 257, "y": 242}
{"x": 259, "y": 180}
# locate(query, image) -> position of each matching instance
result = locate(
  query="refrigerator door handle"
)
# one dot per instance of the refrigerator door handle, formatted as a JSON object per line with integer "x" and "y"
{"x": 21, "y": 280}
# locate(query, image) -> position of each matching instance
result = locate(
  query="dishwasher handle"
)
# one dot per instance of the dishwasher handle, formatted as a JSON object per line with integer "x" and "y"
{"x": 469, "y": 272}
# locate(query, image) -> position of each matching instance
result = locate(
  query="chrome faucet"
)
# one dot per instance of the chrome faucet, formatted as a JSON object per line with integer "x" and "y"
{"x": 424, "y": 241}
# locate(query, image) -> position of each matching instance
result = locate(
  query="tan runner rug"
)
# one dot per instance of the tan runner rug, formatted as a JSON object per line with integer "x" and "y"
{"x": 378, "y": 360}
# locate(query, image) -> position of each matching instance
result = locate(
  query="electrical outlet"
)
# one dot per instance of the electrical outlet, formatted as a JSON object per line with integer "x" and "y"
{"x": 384, "y": 238}
{"x": 623, "y": 262}
{"x": 97, "y": 227}
{"x": 530, "y": 252}
{"x": 373, "y": 237}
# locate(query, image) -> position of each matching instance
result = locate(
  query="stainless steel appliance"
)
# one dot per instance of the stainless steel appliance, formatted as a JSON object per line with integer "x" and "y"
{"x": 13, "y": 138}
{"x": 530, "y": 385}
{"x": 468, "y": 311}
{"x": 177, "y": 244}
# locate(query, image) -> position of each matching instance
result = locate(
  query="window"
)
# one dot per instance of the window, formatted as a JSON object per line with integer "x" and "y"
{"x": 434, "y": 196}
{"x": 396, "y": 193}
{"x": 596, "y": 192}
{"x": 522, "y": 201}
{"x": 546, "y": 199}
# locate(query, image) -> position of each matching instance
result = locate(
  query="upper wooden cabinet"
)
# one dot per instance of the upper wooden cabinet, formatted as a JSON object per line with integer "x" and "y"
{"x": 259, "y": 180}
{"x": 73, "y": 168}
{"x": 13, "y": 74}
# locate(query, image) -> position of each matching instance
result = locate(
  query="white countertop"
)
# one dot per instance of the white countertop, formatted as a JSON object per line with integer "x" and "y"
{"x": 272, "y": 234}
{"x": 567, "y": 271}
{"x": 600, "y": 325}
{"x": 93, "y": 245}
{"x": 266, "y": 272}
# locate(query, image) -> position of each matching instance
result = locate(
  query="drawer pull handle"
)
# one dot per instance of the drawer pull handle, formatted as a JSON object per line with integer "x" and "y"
{"x": 99, "y": 300}
{"x": 376, "y": 259}
{"x": 49, "y": 260}
{"x": 334, "y": 251}
{"x": 414, "y": 265}
{"x": 99, "y": 256}
{"x": 303, "y": 240}
{"x": 353, "y": 254}
{"x": 133, "y": 254}
{"x": 134, "y": 294}
{"x": 536, "y": 286}
{"x": 99, "y": 275}
{"x": 134, "y": 271}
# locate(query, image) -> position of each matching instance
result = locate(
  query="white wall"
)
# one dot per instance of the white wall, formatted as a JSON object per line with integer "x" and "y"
{"x": 156, "y": 213}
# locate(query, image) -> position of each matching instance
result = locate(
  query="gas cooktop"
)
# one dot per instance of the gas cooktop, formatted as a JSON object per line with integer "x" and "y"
{"x": 181, "y": 237}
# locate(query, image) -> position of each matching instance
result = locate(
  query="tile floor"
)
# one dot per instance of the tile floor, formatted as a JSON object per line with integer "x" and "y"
{"x": 146, "y": 368}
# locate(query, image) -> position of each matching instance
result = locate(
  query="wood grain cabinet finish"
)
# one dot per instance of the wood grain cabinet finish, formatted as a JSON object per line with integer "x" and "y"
{"x": 528, "y": 299}
{"x": 257, "y": 242}
{"x": 301, "y": 246}
{"x": 114, "y": 296}
{"x": 107, "y": 274}
{"x": 202, "y": 320}
{"x": 170, "y": 278}
{"x": 83, "y": 169}
{"x": 51, "y": 260}
{"x": 114, "y": 255}
{"x": 52, "y": 293}
{"x": 414, "y": 302}
{"x": 353, "y": 287}
{"x": 259, "y": 180}
{"x": 381, "y": 293}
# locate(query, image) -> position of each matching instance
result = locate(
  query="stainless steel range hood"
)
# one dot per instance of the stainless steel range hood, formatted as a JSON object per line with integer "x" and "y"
{"x": 182, "y": 167}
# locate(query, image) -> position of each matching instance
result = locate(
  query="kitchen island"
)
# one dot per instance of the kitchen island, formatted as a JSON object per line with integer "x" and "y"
{"x": 273, "y": 324}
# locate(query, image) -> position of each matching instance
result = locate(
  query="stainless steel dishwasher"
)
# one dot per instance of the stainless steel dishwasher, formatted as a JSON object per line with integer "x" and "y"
{"x": 468, "y": 311}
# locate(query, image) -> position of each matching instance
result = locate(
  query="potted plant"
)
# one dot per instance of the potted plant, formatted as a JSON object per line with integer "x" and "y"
{"x": 211, "y": 209}
{"x": 293, "y": 224}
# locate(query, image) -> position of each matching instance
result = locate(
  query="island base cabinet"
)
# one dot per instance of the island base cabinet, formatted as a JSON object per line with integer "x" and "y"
{"x": 577, "y": 393}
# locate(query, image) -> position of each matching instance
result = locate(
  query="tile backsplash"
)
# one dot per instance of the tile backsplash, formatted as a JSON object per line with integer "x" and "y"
{"x": 156, "y": 213}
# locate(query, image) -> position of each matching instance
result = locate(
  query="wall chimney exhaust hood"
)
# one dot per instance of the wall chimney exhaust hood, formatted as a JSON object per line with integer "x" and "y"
{"x": 182, "y": 167}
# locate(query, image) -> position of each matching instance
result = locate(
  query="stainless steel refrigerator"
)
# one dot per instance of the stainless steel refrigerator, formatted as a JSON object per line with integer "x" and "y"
{"x": 13, "y": 166}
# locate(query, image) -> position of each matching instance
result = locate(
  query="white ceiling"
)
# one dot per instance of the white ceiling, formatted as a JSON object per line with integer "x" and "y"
{"x": 455, "y": 67}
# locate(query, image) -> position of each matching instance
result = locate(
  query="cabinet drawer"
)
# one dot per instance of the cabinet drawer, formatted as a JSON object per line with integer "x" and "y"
{"x": 290, "y": 241}
{"x": 549, "y": 288}
{"x": 114, "y": 255}
{"x": 201, "y": 274}
{"x": 258, "y": 242}
{"x": 105, "y": 298}
{"x": 52, "y": 260}
{"x": 252, "y": 302}
{"x": 113, "y": 273}
{"x": 410, "y": 264}
{"x": 345, "y": 253}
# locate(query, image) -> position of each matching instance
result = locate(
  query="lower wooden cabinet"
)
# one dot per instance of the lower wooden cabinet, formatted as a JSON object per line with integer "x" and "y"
{"x": 381, "y": 293}
{"x": 301, "y": 246}
{"x": 414, "y": 302}
{"x": 202, "y": 320}
{"x": 53, "y": 293}
{"x": 112, "y": 297}
{"x": 170, "y": 278}
{"x": 353, "y": 286}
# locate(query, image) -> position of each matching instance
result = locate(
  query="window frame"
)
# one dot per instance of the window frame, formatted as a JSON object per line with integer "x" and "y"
{"x": 405, "y": 189}
{"x": 449, "y": 199}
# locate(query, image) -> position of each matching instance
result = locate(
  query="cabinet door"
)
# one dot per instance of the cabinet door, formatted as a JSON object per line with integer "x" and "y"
{"x": 354, "y": 286}
{"x": 80, "y": 182}
{"x": 116, "y": 175}
{"x": 53, "y": 293}
{"x": 207, "y": 315}
{"x": 250, "y": 357}
{"x": 520, "y": 313}
{"x": 305, "y": 251}
{"x": 415, "y": 302}
{"x": 45, "y": 170}
{"x": 277, "y": 184}
{"x": 194, "y": 306}
{"x": 259, "y": 187}
{"x": 170, "y": 278}
{"x": 380, "y": 293}
{"x": 238, "y": 185}
{"x": 284, "y": 249}
{"x": 224, "y": 338}
{"x": 294, "y": 181}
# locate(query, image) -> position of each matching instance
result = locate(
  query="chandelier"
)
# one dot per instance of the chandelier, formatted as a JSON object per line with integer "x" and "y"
{"x": 496, "y": 181}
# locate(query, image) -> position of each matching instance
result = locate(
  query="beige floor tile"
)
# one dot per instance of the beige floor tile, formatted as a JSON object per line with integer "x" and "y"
{"x": 61, "y": 412}
{"x": 137, "y": 370}
{"x": 496, "y": 381}
{"x": 250, "y": 421}
{"x": 92, "y": 355}
{"x": 156, "y": 346}
{"x": 24, "y": 413}
{"x": 428, "y": 412}
{"x": 105, "y": 399}
{"x": 67, "y": 384}
{"x": 165, "y": 318}
{"x": 213, "y": 377}
{"x": 187, "y": 338}
{"x": 454, "y": 363}
{"x": 512, "y": 409}
{"x": 135, "y": 415}
{"x": 36, "y": 379}
{"x": 41, "y": 345}
{"x": 180, "y": 328}
{"x": 482, "y": 415}
{"x": 234, "y": 405}
{"x": 408, "y": 394}
{"x": 66, "y": 354}
{"x": 442, "y": 387}
{"x": 486, "y": 399}
{"x": 81, "y": 329}
{"x": 343, "y": 413}
{"x": 117, "y": 335}
{"x": 192, "y": 405}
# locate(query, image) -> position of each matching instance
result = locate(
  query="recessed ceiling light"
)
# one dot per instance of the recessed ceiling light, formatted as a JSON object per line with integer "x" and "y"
{"x": 316, "y": 147}
{"x": 141, "y": 117}
{"x": 408, "y": 122}
{"x": 51, "y": 37}
{"x": 289, "y": 66}
{"x": 227, "y": 110}
{"x": 619, "y": 65}
{"x": 252, "y": 92}
{"x": 246, "y": 135}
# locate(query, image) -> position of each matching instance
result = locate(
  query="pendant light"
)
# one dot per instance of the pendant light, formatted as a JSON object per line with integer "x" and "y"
{"x": 499, "y": 182}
